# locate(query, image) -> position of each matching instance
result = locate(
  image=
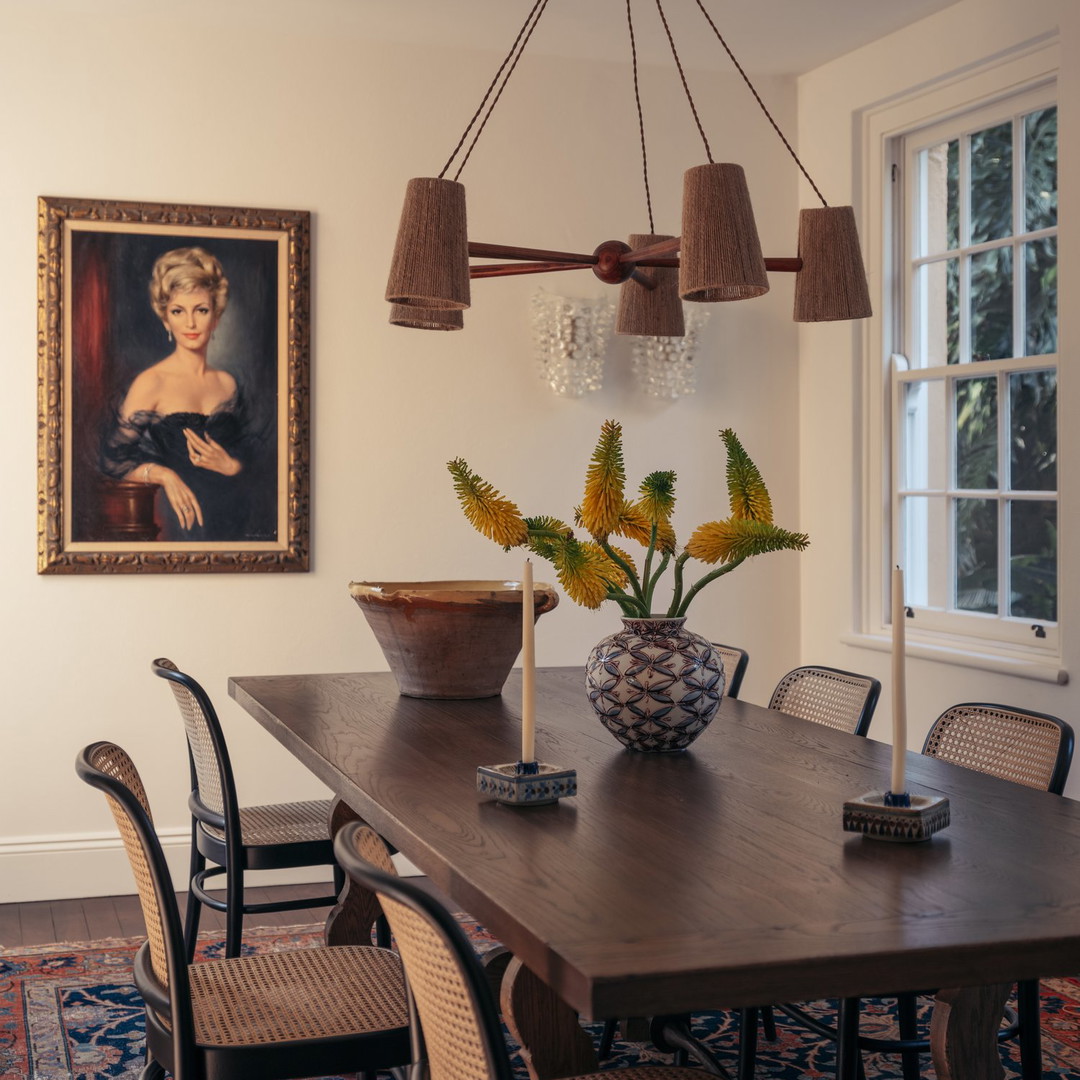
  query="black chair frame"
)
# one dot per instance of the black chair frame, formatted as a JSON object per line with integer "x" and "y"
{"x": 231, "y": 856}
{"x": 170, "y": 1023}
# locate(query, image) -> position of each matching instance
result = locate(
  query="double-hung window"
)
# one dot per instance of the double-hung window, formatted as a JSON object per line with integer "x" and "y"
{"x": 973, "y": 394}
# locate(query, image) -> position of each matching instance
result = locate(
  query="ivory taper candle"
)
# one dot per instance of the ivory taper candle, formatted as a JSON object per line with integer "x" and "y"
{"x": 528, "y": 666}
{"x": 899, "y": 689}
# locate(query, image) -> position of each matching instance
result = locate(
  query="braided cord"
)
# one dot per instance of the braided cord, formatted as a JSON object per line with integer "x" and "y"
{"x": 682, "y": 75}
{"x": 757, "y": 96}
{"x": 514, "y": 54}
{"x": 640, "y": 118}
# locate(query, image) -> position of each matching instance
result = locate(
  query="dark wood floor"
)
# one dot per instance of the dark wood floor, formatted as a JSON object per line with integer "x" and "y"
{"x": 46, "y": 921}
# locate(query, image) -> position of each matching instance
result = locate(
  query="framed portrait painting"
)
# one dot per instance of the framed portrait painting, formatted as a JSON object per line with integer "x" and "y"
{"x": 172, "y": 388}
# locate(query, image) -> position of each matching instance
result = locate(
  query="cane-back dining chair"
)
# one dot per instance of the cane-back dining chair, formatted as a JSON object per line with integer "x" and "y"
{"x": 303, "y": 1012}
{"x": 1028, "y": 748}
{"x": 838, "y": 699}
{"x": 735, "y": 661}
{"x": 236, "y": 839}
{"x": 459, "y": 1026}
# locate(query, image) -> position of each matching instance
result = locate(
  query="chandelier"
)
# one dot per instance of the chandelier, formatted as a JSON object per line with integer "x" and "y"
{"x": 716, "y": 258}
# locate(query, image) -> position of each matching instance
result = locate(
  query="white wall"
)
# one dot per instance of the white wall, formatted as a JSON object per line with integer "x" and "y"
{"x": 267, "y": 103}
{"x": 833, "y": 365}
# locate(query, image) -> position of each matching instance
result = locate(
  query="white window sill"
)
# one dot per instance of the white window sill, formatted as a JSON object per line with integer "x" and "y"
{"x": 1042, "y": 669}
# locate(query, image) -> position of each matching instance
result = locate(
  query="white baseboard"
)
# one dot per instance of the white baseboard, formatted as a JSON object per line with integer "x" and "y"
{"x": 77, "y": 865}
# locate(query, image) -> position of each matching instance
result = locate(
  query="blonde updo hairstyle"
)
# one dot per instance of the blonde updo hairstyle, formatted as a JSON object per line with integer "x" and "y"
{"x": 184, "y": 269}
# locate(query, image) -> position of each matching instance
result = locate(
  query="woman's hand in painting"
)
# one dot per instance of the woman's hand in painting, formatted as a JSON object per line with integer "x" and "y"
{"x": 181, "y": 497}
{"x": 207, "y": 454}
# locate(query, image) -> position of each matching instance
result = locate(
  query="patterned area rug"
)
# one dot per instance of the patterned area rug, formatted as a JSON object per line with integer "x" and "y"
{"x": 70, "y": 1012}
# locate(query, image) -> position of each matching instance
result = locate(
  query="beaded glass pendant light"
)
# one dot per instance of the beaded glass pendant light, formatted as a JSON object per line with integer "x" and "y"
{"x": 716, "y": 258}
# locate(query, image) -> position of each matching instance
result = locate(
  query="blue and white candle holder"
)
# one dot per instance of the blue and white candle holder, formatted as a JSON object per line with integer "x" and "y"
{"x": 526, "y": 783}
{"x": 902, "y": 818}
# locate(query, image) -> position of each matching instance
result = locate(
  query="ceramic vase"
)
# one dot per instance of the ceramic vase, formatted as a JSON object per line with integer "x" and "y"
{"x": 654, "y": 684}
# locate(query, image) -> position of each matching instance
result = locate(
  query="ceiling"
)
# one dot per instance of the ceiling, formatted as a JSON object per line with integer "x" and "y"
{"x": 774, "y": 37}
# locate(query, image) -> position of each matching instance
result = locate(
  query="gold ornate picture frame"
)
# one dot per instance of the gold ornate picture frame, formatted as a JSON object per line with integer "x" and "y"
{"x": 173, "y": 375}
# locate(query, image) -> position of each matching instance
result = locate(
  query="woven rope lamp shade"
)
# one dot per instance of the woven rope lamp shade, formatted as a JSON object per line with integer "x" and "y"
{"x": 430, "y": 268}
{"x": 721, "y": 253}
{"x": 421, "y": 318}
{"x": 832, "y": 282}
{"x": 651, "y": 312}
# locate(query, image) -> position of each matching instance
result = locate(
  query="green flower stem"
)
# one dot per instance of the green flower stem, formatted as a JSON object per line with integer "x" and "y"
{"x": 676, "y": 598}
{"x": 650, "y": 586}
{"x": 627, "y": 569}
{"x": 646, "y": 568}
{"x": 694, "y": 589}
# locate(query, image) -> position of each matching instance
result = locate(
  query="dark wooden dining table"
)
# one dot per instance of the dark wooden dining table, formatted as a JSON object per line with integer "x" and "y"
{"x": 717, "y": 877}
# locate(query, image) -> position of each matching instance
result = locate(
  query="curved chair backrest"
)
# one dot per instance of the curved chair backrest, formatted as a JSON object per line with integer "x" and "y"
{"x": 838, "y": 699}
{"x": 161, "y": 962}
{"x": 461, "y": 1027}
{"x": 1029, "y": 748}
{"x": 735, "y": 661}
{"x": 212, "y": 783}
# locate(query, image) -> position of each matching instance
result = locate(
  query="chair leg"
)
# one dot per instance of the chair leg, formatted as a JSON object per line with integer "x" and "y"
{"x": 848, "y": 1058}
{"x": 234, "y": 910}
{"x": 606, "y": 1039}
{"x": 907, "y": 1018}
{"x": 768, "y": 1022}
{"x": 748, "y": 1025}
{"x": 153, "y": 1071}
{"x": 194, "y": 909}
{"x": 1028, "y": 1008}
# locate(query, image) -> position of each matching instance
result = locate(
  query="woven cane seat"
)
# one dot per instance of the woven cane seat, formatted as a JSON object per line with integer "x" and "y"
{"x": 281, "y": 823}
{"x": 1019, "y": 746}
{"x": 837, "y": 699}
{"x": 645, "y": 1072}
{"x": 286, "y": 996}
{"x": 306, "y": 1012}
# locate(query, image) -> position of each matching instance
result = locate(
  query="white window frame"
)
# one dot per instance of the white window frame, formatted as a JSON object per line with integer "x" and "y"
{"x": 1034, "y": 68}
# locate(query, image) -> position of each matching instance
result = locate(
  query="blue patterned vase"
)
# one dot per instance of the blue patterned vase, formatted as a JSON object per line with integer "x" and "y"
{"x": 654, "y": 684}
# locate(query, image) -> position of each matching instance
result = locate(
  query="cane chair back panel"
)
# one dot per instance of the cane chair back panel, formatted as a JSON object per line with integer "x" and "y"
{"x": 436, "y": 957}
{"x": 1032, "y": 749}
{"x": 200, "y": 742}
{"x": 113, "y": 761}
{"x": 837, "y": 699}
{"x": 455, "y": 1044}
{"x": 735, "y": 661}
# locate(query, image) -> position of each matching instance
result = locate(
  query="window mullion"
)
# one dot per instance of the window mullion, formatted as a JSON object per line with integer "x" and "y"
{"x": 964, "y": 269}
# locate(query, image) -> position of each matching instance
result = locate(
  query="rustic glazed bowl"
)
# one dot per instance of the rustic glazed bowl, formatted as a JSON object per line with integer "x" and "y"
{"x": 449, "y": 639}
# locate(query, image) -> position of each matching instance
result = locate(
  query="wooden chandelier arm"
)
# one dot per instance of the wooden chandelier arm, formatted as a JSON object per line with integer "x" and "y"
{"x": 507, "y": 269}
{"x": 505, "y": 251}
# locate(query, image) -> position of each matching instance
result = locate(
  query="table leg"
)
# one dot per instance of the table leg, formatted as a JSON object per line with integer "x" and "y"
{"x": 352, "y": 917}
{"x": 963, "y": 1032}
{"x": 552, "y": 1041}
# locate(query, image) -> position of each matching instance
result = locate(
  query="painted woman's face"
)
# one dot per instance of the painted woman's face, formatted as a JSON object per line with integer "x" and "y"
{"x": 190, "y": 317}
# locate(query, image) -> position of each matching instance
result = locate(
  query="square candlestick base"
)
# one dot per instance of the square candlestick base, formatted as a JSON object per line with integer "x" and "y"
{"x": 520, "y": 785}
{"x": 870, "y": 815}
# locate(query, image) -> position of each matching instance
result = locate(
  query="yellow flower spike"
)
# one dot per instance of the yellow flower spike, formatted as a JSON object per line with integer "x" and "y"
{"x": 604, "y": 483}
{"x": 635, "y": 523}
{"x": 585, "y": 572}
{"x": 741, "y": 538}
{"x": 746, "y": 489}
{"x": 497, "y": 518}
{"x": 657, "y": 500}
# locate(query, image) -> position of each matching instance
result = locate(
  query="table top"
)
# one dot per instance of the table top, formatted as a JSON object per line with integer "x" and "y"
{"x": 716, "y": 877}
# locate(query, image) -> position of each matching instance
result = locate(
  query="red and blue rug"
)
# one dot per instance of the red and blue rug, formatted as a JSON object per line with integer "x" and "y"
{"x": 71, "y": 1012}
